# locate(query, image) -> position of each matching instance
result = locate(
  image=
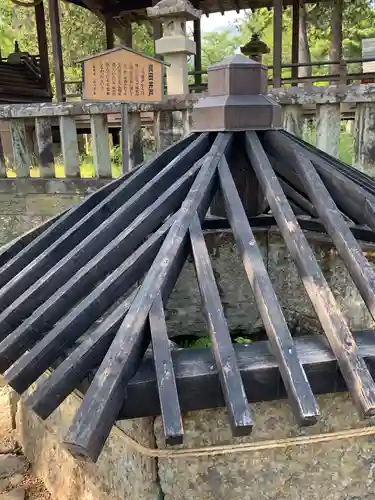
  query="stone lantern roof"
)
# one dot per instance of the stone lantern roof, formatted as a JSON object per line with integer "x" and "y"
{"x": 87, "y": 295}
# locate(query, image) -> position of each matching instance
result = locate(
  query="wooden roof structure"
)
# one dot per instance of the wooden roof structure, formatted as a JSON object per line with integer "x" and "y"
{"x": 113, "y": 8}
{"x": 87, "y": 292}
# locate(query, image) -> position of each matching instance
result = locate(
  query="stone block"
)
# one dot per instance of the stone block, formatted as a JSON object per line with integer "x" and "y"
{"x": 119, "y": 473}
{"x": 334, "y": 470}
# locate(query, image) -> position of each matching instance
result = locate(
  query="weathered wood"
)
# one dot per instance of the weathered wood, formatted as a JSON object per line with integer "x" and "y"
{"x": 135, "y": 140}
{"x": 300, "y": 395}
{"x": 277, "y": 41}
{"x": 58, "y": 67}
{"x": 350, "y": 251}
{"x": 69, "y": 145}
{"x": 46, "y": 311}
{"x": 50, "y": 393}
{"x": 353, "y": 368}
{"x": 43, "y": 131}
{"x": 156, "y": 131}
{"x": 230, "y": 378}
{"x": 167, "y": 389}
{"x": 14, "y": 279}
{"x": 82, "y": 316}
{"x": 102, "y": 402}
{"x": 104, "y": 247}
{"x": 3, "y": 171}
{"x": 21, "y": 156}
{"x": 100, "y": 145}
{"x": 259, "y": 371}
{"x": 125, "y": 138}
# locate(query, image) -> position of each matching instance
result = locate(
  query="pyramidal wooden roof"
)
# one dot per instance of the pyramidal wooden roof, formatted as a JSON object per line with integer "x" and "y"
{"x": 86, "y": 294}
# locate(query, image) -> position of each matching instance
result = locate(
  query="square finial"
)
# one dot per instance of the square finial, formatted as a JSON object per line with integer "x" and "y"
{"x": 237, "y": 98}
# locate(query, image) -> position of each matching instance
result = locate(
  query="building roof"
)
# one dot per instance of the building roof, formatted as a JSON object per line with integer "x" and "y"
{"x": 116, "y": 7}
{"x": 116, "y": 49}
{"x": 86, "y": 294}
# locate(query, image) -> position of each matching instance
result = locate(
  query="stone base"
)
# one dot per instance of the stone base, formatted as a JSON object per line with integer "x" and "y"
{"x": 336, "y": 470}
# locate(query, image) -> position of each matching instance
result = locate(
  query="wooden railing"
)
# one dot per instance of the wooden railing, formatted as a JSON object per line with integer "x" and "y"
{"x": 165, "y": 123}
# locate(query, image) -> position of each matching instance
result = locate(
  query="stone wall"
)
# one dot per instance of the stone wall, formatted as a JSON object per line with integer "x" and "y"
{"x": 26, "y": 203}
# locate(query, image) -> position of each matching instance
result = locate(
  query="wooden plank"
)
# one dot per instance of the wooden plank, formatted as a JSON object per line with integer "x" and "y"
{"x": 50, "y": 393}
{"x": 21, "y": 155}
{"x": 69, "y": 146}
{"x": 350, "y": 251}
{"x": 259, "y": 370}
{"x": 167, "y": 389}
{"x": 100, "y": 145}
{"x": 58, "y": 67}
{"x": 353, "y": 368}
{"x": 230, "y": 378}
{"x": 125, "y": 138}
{"x": 102, "y": 402}
{"x": 300, "y": 395}
{"x": 42, "y": 312}
{"x": 43, "y": 131}
{"x": 3, "y": 170}
{"x": 277, "y": 41}
{"x": 135, "y": 140}
{"x": 90, "y": 261}
{"x": 97, "y": 228}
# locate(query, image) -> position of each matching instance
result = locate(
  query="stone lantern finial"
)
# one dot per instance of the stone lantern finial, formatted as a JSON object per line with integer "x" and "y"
{"x": 255, "y": 48}
{"x": 237, "y": 98}
{"x": 175, "y": 46}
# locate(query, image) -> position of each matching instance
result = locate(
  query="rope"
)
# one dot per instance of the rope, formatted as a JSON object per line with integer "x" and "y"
{"x": 21, "y": 3}
{"x": 209, "y": 451}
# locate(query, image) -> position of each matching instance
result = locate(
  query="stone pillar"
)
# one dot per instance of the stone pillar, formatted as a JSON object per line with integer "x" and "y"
{"x": 364, "y": 138}
{"x": 328, "y": 120}
{"x": 175, "y": 46}
{"x": 292, "y": 119}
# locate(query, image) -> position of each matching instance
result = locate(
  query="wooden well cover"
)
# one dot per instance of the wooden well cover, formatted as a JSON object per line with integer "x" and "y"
{"x": 121, "y": 74}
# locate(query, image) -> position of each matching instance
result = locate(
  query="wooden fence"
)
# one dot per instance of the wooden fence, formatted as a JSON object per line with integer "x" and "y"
{"x": 32, "y": 127}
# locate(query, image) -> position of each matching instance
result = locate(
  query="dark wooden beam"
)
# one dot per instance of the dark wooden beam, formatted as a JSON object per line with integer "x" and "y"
{"x": 23, "y": 272}
{"x": 109, "y": 36}
{"x": 300, "y": 395}
{"x": 50, "y": 393}
{"x": 102, "y": 403}
{"x": 167, "y": 389}
{"x": 259, "y": 370}
{"x": 225, "y": 359}
{"x": 42, "y": 44}
{"x": 198, "y": 54}
{"x": 353, "y": 369}
{"x": 350, "y": 251}
{"x": 72, "y": 291}
{"x": 295, "y": 38}
{"x": 58, "y": 66}
{"x": 277, "y": 41}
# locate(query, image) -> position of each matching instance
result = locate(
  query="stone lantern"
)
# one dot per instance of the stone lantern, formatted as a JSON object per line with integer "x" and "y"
{"x": 255, "y": 48}
{"x": 175, "y": 46}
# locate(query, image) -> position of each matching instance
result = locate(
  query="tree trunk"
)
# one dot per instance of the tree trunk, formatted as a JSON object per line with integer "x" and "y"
{"x": 304, "y": 55}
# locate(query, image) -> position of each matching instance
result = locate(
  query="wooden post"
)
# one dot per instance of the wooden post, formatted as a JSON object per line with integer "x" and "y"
{"x": 336, "y": 43}
{"x": 109, "y": 36}
{"x": 42, "y": 44}
{"x": 57, "y": 49}
{"x": 277, "y": 41}
{"x": 295, "y": 40}
{"x": 125, "y": 138}
{"x": 126, "y": 37}
{"x": 198, "y": 54}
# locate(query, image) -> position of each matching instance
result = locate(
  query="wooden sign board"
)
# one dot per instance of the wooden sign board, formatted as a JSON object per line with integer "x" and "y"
{"x": 121, "y": 74}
